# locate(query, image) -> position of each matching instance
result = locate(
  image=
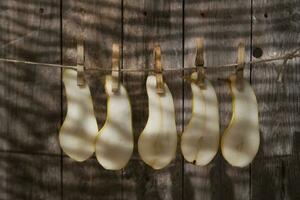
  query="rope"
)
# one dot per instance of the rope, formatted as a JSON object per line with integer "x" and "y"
{"x": 285, "y": 58}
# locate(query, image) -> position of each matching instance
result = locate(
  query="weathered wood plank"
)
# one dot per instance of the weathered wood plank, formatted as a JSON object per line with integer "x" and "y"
{"x": 292, "y": 179}
{"x": 99, "y": 23}
{"x": 277, "y": 177}
{"x": 276, "y": 32}
{"x": 26, "y": 176}
{"x": 223, "y": 25}
{"x": 30, "y": 102}
{"x": 88, "y": 180}
{"x": 292, "y": 172}
{"x": 30, "y": 99}
{"x": 267, "y": 179}
{"x": 145, "y": 24}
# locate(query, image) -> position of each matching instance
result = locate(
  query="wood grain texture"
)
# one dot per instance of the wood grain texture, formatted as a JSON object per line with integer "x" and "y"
{"x": 267, "y": 179}
{"x": 276, "y": 32}
{"x": 30, "y": 99}
{"x": 87, "y": 180}
{"x": 99, "y": 24}
{"x": 223, "y": 25}
{"x": 291, "y": 179}
{"x": 145, "y": 24}
{"x": 291, "y": 171}
{"x": 29, "y": 176}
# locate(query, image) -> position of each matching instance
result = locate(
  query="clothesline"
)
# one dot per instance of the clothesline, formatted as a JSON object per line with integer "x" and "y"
{"x": 285, "y": 58}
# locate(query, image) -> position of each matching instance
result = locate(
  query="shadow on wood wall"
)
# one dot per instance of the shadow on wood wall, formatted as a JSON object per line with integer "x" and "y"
{"x": 32, "y": 100}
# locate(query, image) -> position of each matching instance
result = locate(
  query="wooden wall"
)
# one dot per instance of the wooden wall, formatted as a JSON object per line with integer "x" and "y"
{"x": 32, "y": 99}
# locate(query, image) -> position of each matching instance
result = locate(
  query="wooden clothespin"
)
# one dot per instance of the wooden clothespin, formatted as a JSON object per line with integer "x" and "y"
{"x": 115, "y": 67}
{"x": 199, "y": 63}
{"x": 239, "y": 70}
{"x": 80, "y": 63}
{"x": 160, "y": 89}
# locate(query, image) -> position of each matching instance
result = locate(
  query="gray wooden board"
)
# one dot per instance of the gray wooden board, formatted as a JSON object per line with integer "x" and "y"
{"x": 291, "y": 171}
{"x": 87, "y": 180}
{"x": 291, "y": 179}
{"x": 276, "y": 32}
{"x": 30, "y": 104}
{"x": 223, "y": 25}
{"x": 25, "y": 176}
{"x": 267, "y": 179}
{"x": 30, "y": 99}
{"x": 146, "y": 23}
{"x": 99, "y": 24}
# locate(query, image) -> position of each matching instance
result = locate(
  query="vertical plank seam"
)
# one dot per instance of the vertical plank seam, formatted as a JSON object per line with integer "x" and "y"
{"x": 122, "y": 78}
{"x": 183, "y": 97}
{"x": 251, "y": 40}
{"x": 251, "y": 49}
{"x": 283, "y": 193}
{"x": 61, "y": 98}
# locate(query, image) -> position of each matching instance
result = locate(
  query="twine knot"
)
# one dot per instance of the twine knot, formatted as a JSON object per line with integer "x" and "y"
{"x": 287, "y": 57}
